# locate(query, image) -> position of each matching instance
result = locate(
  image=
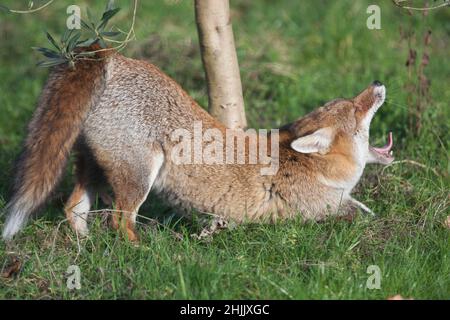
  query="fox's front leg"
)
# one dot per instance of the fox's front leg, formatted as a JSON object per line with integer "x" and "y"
{"x": 350, "y": 209}
{"x": 355, "y": 204}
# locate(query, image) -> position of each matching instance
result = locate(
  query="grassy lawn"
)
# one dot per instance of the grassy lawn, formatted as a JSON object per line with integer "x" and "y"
{"x": 294, "y": 56}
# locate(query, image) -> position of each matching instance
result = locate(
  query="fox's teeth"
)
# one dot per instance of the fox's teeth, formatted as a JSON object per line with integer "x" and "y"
{"x": 391, "y": 153}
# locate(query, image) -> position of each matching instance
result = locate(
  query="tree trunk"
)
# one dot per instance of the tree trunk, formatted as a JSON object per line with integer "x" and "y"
{"x": 219, "y": 58}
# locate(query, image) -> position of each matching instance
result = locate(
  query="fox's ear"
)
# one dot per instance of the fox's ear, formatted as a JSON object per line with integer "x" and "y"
{"x": 319, "y": 141}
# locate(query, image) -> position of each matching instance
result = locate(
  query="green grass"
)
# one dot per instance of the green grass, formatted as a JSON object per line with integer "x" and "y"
{"x": 293, "y": 57}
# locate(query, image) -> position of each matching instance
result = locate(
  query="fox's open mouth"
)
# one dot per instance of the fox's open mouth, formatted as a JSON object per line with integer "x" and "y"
{"x": 383, "y": 154}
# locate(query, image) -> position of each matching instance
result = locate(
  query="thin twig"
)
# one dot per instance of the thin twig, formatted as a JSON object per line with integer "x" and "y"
{"x": 32, "y": 10}
{"x": 397, "y": 3}
{"x": 54, "y": 238}
{"x": 128, "y": 38}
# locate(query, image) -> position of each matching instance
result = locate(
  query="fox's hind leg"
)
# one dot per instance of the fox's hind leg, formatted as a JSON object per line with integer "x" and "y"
{"x": 131, "y": 184}
{"x": 77, "y": 208}
{"x": 89, "y": 181}
{"x": 80, "y": 201}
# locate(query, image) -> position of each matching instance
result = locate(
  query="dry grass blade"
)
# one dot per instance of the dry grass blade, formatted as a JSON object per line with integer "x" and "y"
{"x": 411, "y": 162}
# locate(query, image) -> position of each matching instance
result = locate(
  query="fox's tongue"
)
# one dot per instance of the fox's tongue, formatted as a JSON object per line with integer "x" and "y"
{"x": 387, "y": 147}
{"x": 384, "y": 154}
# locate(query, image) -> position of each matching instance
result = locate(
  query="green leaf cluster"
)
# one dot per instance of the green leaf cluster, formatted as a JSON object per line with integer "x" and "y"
{"x": 64, "y": 50}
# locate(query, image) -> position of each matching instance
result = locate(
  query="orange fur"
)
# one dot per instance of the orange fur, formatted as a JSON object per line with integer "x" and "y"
{"x": 124, "y": 139}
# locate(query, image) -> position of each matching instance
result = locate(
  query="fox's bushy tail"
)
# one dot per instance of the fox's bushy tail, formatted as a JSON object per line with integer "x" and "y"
{"x": 63, "y": 106}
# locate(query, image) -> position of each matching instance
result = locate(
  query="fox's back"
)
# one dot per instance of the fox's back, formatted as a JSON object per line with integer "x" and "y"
{"x": 134, "y": 120}
{"x": 141, "y": 107}
{"x": 139, "y": 103}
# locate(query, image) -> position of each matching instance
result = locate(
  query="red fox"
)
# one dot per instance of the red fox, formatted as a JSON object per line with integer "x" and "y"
{"x": 118, "y": 115}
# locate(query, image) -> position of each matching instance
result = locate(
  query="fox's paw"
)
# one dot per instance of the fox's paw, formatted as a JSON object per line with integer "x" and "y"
{"x": 131, "y": 235}
{"x": 354, "y": 204}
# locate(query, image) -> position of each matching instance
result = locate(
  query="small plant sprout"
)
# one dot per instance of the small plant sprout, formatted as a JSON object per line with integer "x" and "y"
{"x": 68, "y": 48}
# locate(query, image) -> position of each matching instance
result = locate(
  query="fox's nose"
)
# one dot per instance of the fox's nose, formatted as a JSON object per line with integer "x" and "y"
{"x": 377, "y": 83}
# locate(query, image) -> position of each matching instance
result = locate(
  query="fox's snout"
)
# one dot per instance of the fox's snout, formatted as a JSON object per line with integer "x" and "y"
{"x": 371, "y": 98}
